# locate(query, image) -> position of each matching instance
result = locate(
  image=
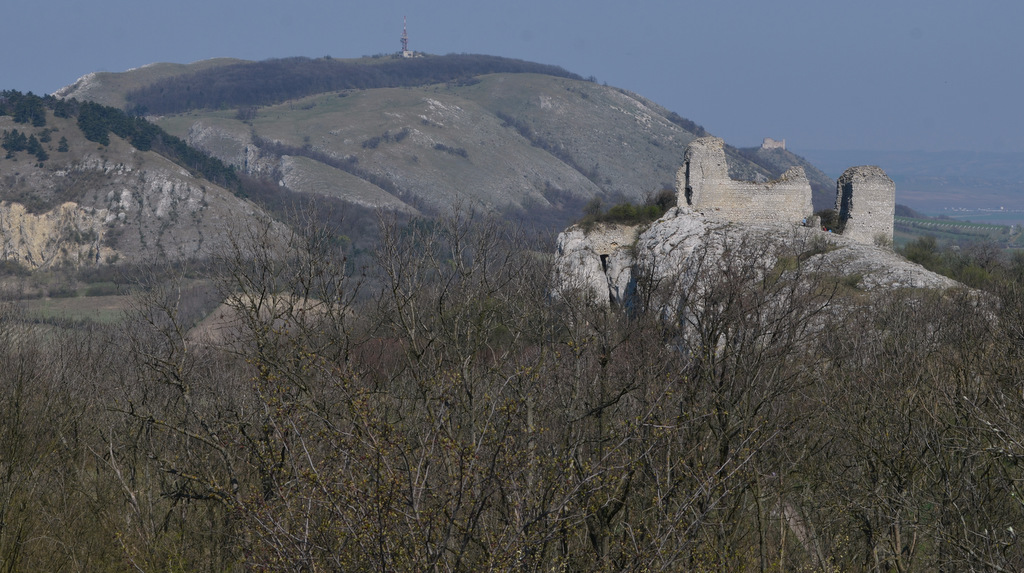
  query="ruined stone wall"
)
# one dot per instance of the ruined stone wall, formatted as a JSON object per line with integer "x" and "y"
{"x": 704, "y": 184}
{"x": 704, "y": 174}
{"x": 770, "y": 143}
{"x": 866, "y": 203}
{"x": 598, "y": 261}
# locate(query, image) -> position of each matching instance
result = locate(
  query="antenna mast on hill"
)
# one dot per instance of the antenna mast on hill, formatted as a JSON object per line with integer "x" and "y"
{"x": 405, "y": 38}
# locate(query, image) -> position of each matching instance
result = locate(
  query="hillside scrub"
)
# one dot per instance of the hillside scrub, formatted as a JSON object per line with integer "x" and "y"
{"x": 97, "y": 122}
{"x": 627, "y": 213}
{"x": 982, "y": 264}
{"x": 439, "y": 411}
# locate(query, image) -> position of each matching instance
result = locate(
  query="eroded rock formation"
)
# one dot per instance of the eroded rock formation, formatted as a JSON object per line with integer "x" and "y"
{"x": 598, "y": 261}
{"x": 68, "y": 234}
{"x": 716, "y": 214}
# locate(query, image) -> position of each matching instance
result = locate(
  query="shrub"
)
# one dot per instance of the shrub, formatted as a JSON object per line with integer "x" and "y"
{"x": 13, "y": 268}
{"x": 459, "y": 151}
{"x": 64, "y": 290}
{"x": 102, "y": 289}
{"x": 628, "y": 213}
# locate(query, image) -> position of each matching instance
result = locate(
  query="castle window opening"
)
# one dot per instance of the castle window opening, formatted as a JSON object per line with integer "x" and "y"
{"x": 688, "y": 190}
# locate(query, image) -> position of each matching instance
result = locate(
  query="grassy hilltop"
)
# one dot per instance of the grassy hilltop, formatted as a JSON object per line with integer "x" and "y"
{"x": 514, "y": 136}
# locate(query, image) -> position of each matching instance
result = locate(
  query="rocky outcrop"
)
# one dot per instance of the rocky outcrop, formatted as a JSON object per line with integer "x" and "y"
{"x": 94, "y": 204}
{"x": 66, "y": 235}
{"x": 232, "y": 144}
{"x": 597, "y": 261}
{"x": 684, "y": 241}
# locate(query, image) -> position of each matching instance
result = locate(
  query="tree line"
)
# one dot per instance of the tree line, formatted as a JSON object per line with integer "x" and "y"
{"x": 439, "y": 410}
{"x": 273, "y": 81}
{"x": 982, "y": 264}
{"x": 352, "y": 224}
{"x": 15, "y": 141}
{"x": 97, "y": 122}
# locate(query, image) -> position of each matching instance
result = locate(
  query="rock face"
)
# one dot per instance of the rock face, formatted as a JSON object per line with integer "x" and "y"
{"x": 704, "y": 184}
{"x": 606, "y": 267}
{"x": 94, "y": 204}
{"x": 598, "y": 261}
{"x": 231, "y": 144}
{"x": 67, "y": 234}
{"x": 866, "y": 203}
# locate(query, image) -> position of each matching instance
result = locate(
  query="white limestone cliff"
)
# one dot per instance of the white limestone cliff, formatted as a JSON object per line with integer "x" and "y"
{"x": 605, "y": 264}
{"x": 67, "y": 234}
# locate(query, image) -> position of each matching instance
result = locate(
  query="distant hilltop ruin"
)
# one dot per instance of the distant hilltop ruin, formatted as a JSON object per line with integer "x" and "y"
{"x": 865, "y": 196}
{"x": 770, "y": 143}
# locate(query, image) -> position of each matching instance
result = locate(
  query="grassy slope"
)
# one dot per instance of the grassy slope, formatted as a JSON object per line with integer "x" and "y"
{"x": 585, "y": 140}
{"x": 500, "y": 169}
{"x": 623, "y": 142}
{"x": 109, "y": 88}
{"x": 308, "y": 176}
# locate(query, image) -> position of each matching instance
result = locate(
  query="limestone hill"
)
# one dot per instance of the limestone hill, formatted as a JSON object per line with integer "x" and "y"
{"x": 69, "y": 201}
{"x": 522, "y": 143}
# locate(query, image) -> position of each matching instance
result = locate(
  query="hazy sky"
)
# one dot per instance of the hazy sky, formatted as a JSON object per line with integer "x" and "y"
{"x": 889, "y": 74}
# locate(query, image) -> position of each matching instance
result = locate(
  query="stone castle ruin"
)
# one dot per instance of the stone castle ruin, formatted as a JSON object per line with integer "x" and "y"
{"x": 865, "y": 196}
{"x": 866, "y": 203}
{"x": 713, "y": 211}
{"x": 706, "y": 187}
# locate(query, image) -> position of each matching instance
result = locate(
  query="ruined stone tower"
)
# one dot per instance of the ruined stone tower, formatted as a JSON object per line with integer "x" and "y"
{"x": 866, "y": 203}
{"x": 704, "y": 172}
{"x": 704, "y": 184}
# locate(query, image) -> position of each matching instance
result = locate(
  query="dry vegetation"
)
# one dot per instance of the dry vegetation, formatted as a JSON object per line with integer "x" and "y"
{"x": 439, "y": 412}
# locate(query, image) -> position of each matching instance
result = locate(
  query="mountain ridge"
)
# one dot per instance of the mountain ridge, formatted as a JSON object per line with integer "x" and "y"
{"x": 527, "y": 143}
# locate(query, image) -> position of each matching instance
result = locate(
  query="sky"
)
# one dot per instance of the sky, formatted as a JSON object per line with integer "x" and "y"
{"x": 904, "y": 75}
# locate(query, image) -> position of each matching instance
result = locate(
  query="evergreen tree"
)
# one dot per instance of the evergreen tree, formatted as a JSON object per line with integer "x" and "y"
{"x": 62, "y": 146}
{"x": 14, "y": 141}
{"x": 93, "y": 124}
{"x": 28, "y": 108}
{"x": 63, "y": 108}
{"x": 36, "y": 148}
{"x": 33, "y": 145}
